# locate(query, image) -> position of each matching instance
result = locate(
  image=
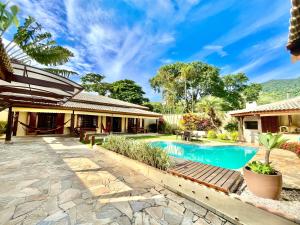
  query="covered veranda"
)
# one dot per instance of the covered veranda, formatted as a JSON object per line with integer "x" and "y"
{"x": 30, "y": 86}
{"x": 278, "y": 117}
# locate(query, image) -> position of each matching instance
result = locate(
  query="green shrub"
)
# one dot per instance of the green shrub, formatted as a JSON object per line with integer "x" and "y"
{"x": 138, "y": 150}
{"x": 3, "y": 127}
{"x": 234, "y": 136}
{"x": 261, "y": 168}
{"x": 211, "y": 134}
{"x": 231, "y": 126}
{"x": 222, "y": 136}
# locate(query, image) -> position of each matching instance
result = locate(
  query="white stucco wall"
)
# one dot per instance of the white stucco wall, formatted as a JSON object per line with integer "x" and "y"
{"x": 3, "y": 115}
{"x": 251, "y": 135}
{"x": 23, "y": 117}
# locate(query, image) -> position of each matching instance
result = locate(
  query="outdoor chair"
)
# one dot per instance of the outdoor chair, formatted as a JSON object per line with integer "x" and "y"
{"x": 187, "y": 135}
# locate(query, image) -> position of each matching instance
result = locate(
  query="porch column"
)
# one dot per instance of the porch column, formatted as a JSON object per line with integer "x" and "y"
{"x": 137, "y": 125}
{"x": 9, "y": 125}
{"x": 72, "y": 123}
{"x": 241, "y": 129}
{"x": 111, "y": 124}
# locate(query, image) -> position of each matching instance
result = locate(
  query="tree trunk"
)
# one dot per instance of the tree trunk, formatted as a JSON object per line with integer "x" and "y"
{"x": 267, "y": 157}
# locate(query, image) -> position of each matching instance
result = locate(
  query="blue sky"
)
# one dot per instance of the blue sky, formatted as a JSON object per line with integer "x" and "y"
{"x": 133, "y": 38}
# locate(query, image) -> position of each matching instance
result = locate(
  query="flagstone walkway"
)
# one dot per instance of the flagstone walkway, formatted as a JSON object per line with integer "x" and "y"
{"x": 50, "y": 180}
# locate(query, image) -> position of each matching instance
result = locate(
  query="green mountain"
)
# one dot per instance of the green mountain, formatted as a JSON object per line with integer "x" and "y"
{"x": 276, "y": 90}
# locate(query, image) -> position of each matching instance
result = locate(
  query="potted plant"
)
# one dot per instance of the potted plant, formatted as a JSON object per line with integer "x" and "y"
{"x": 261, "y": 178}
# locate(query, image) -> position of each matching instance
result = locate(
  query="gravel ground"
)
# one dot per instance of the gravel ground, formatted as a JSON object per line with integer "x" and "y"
{"x": 288, "y": 205}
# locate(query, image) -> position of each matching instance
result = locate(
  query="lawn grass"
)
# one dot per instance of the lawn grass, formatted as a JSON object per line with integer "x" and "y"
{"x": 220, "y": 140}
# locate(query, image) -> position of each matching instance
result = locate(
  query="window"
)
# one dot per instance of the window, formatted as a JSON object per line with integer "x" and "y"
{"x": 87, "y": 121}
{"x": 251, "y": 125}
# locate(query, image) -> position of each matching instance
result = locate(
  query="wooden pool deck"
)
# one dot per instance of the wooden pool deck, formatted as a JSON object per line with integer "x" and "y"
{"x": 221, "y": 179}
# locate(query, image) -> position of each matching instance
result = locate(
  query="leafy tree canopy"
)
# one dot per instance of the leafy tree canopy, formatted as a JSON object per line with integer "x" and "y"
{"x": 252, "y": 92}
{"x": 187, "y": 83}
{"x": 93, "y": 82}
{"x": 8, "y": 17}
{"x": 127, "y": 90}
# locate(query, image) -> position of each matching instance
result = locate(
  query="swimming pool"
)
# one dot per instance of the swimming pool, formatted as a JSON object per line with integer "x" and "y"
{"x": 228, "y": 156}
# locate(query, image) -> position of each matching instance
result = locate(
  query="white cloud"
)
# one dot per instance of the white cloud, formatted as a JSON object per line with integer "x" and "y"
{"x": 249, "y": 24}
{"x": 215, "y": 48}
{"x": 166, "y": 38}
{"x": 282, "y": 71}
{"x": 46, "y": 12}
{"x": 262, "y": 52}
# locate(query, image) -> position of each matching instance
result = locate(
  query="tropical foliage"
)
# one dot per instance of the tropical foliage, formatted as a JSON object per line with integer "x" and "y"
{"x": 261, "y": 168}
{"x": 127, "y": 90}
{"x": 192, "y": 121}
{"x": 232, "y": 125}
{"x": 8, "y": 17}
{"x": 292, "y": 146}
{"x": 93, "y": 82}
{"x": 139, "y": 151}
{"x": 212, "y": 107}
{"x": 38, "y": 45}
{"x": 211, "y": 134}
{"x": 31, "y": 42}
{"x": 187, "y": 83}
{"x": 3, "y": 127}
{"x": 271, "y": 141}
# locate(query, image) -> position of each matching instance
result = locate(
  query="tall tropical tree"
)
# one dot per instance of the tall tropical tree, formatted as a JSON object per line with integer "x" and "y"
{"x": 187, "y": 82}
{"x": 212, "y": 107}
{"x": 37, "y": 44}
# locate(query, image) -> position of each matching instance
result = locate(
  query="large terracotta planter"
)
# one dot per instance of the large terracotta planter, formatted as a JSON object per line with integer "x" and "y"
{"x": 265, "y": 186}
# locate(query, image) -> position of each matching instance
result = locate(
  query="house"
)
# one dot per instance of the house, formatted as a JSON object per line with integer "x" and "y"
{"x": 39, "y": 102}
{"x": 282, "y": 116}
{"x": 90, "y": 112}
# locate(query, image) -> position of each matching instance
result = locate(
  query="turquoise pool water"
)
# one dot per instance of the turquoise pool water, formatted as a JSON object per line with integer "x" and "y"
{"x": 229, "y": 156}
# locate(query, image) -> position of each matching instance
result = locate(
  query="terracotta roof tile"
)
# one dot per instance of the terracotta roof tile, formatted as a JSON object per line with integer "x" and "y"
{"x": 290, "y": 104}
{"x": 109, "y": 109}
{"x": 91, "y": 98}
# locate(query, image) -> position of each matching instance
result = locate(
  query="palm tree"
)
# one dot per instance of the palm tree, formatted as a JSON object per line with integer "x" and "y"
{"x": 38, "y": 45}
{"x": 8, "y": 17}
{"x": 212, "y": 106}
{"x": 270, "y": 141}
{"x": 30, "y": 42}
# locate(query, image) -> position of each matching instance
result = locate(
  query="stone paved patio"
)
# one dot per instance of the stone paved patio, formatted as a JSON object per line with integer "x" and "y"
{"x": 52, "y": 180}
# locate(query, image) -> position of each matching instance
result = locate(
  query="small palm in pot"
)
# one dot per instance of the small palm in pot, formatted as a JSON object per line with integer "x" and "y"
{"x": 261, "y": 178}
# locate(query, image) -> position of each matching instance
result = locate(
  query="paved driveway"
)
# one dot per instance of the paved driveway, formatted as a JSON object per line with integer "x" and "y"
{"x": 48, "y": 180}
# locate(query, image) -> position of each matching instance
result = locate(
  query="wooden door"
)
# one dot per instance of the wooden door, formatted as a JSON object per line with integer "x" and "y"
{"x": 130, "y": 125}
{"x": 270, "y": 124}
{"x": 117, "y": 124}
{"x": 60, "y": 119}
